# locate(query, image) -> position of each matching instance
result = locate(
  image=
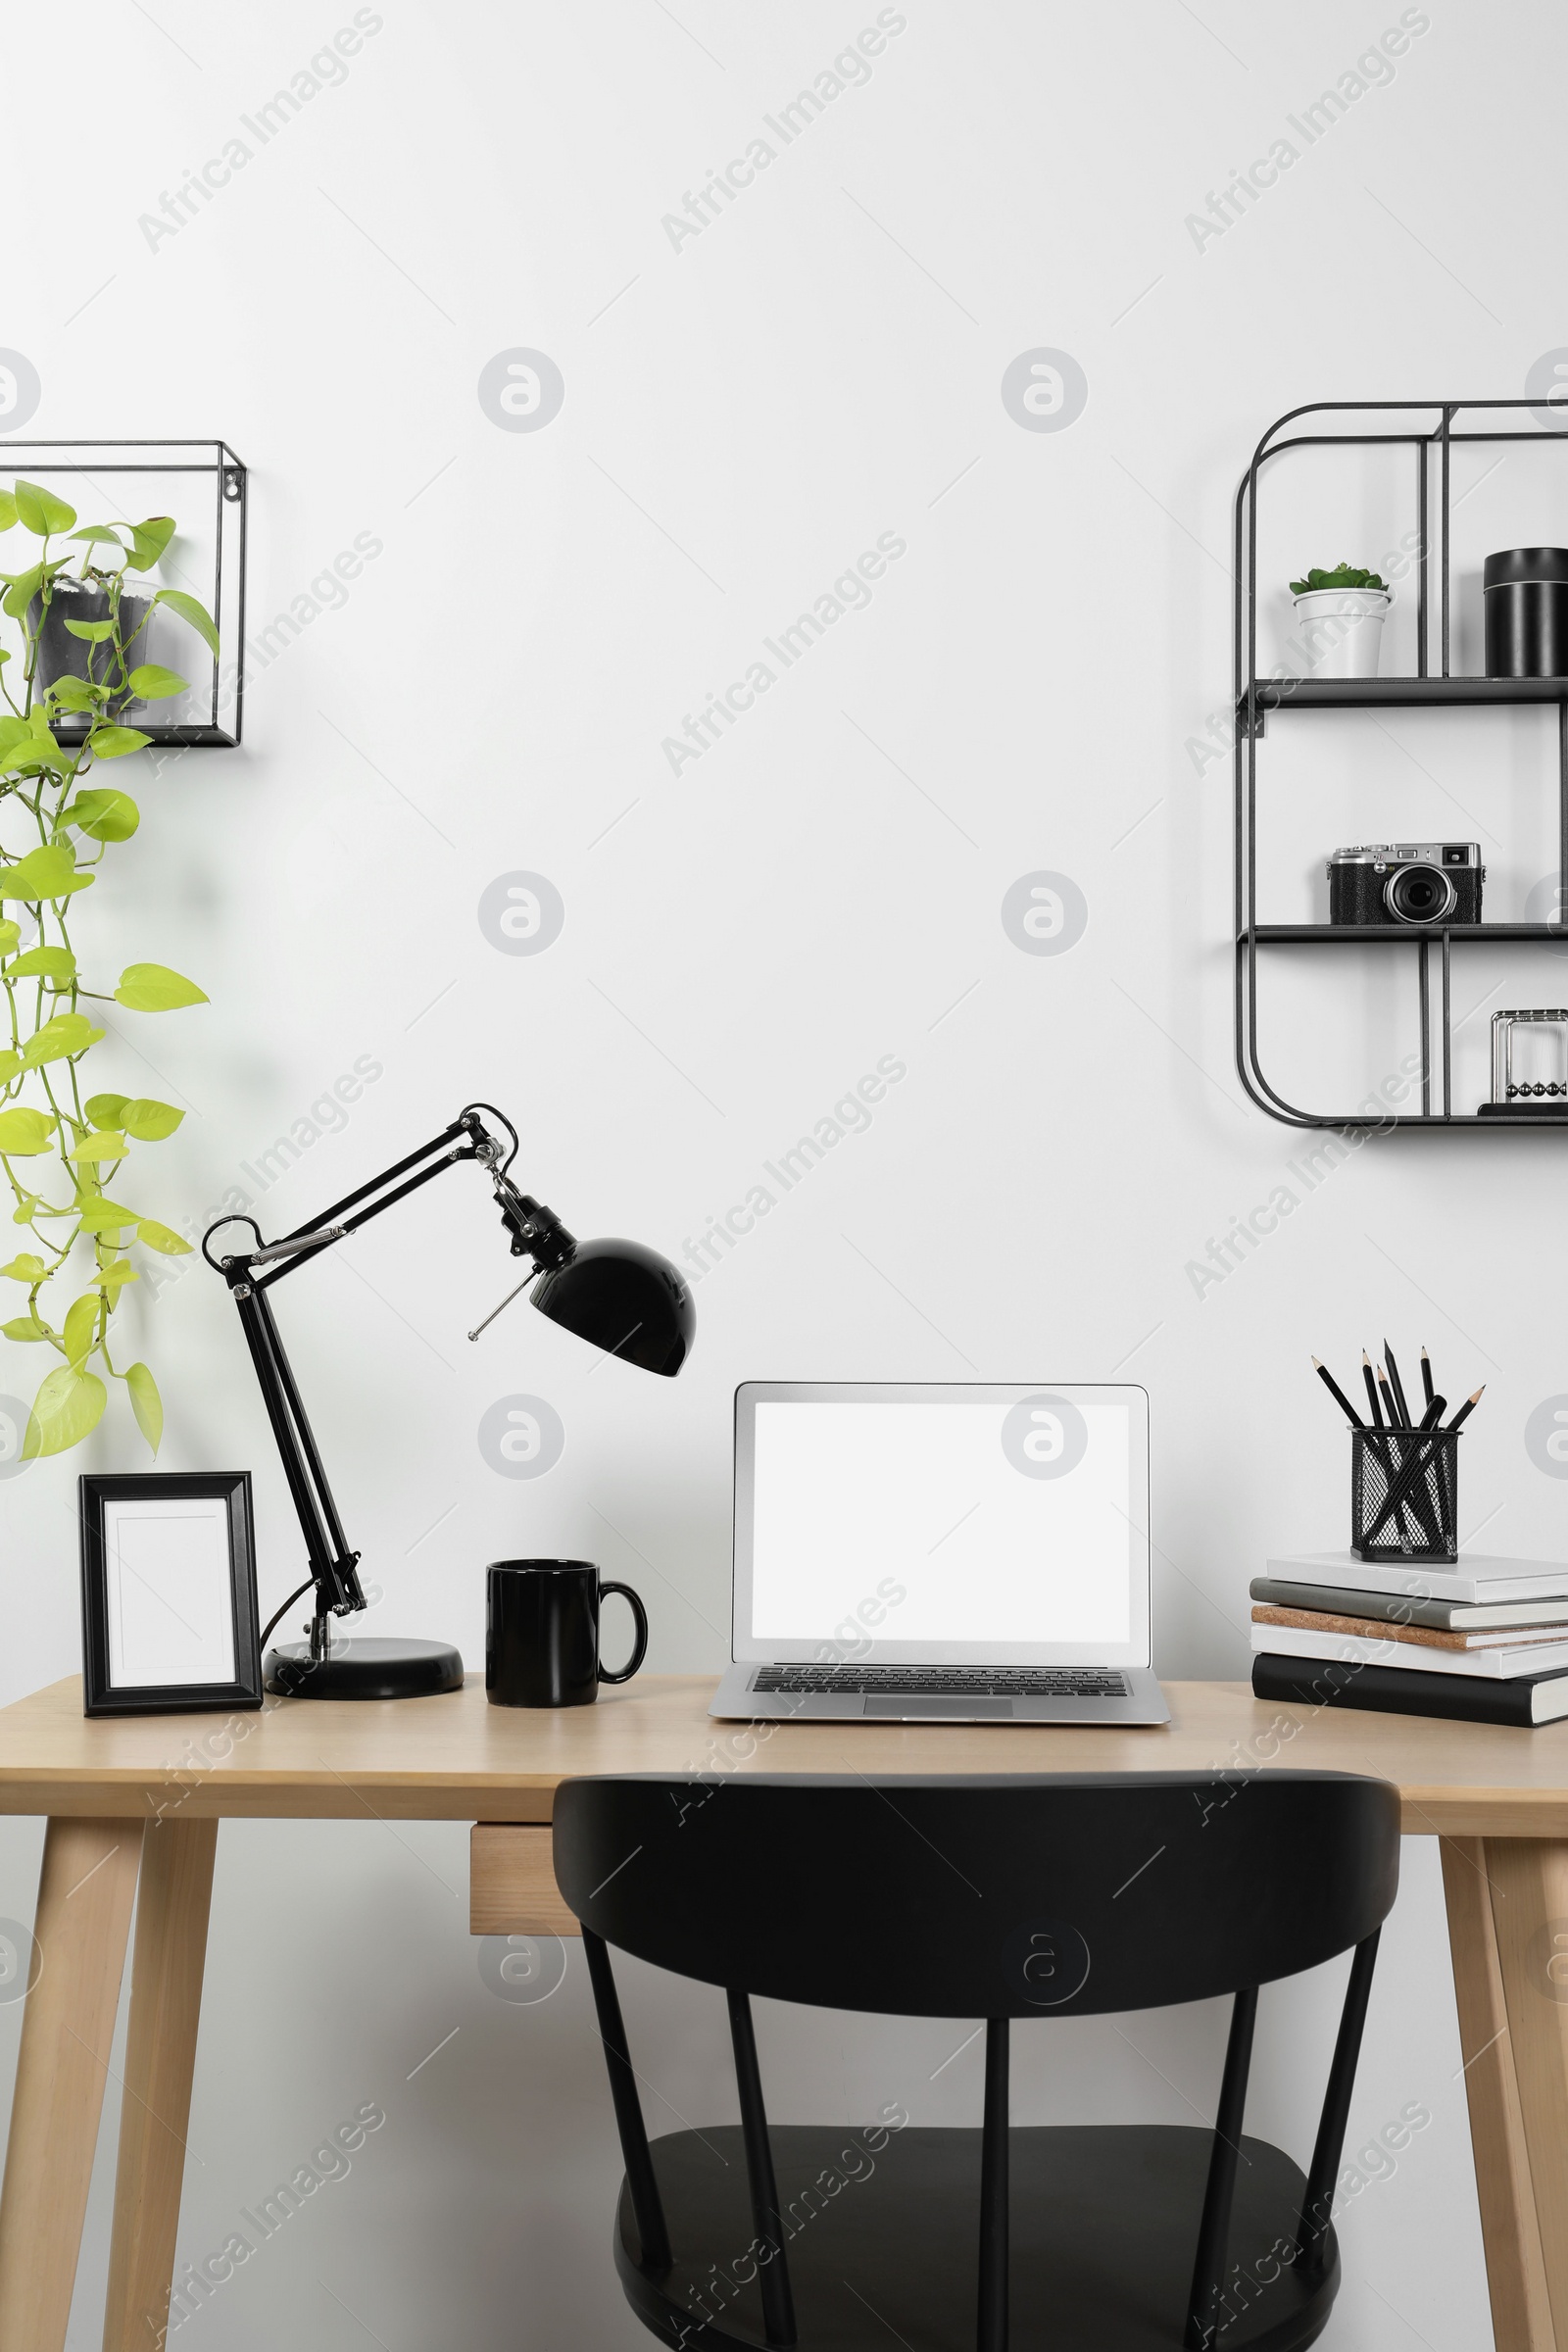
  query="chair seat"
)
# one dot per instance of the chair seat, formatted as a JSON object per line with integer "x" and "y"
{"x": 1104, "y": 2218}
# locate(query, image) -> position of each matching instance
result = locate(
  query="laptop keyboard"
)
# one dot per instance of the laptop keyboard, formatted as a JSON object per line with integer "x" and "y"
{"x": 944, "y": 1681}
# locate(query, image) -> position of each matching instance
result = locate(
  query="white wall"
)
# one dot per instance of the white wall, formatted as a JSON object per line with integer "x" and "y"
{"x": 743, "y": 416}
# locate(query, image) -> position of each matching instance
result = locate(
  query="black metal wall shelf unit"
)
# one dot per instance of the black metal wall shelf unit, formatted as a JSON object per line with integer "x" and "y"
{"x": 1428, "y": 428}
{"x": 109, "y": 480}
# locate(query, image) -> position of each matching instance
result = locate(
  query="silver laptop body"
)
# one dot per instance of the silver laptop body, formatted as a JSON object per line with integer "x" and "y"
{"x": 914, "y": 1552}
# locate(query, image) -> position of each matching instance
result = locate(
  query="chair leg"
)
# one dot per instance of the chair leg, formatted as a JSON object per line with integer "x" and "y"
{"x": 635, "y": 2153}
{"x": 990, "y": 2333}
{"x": 1312, "y": 2238}
{"x": 1214, "y": 2229}
{"x": 774, "y": 2275}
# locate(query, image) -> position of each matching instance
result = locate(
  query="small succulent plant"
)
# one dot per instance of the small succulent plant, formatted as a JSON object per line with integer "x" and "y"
{"x": 1343, "y": 575}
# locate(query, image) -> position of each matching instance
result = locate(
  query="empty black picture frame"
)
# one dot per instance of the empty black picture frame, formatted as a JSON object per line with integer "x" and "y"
{"x": 208, "y": 1600}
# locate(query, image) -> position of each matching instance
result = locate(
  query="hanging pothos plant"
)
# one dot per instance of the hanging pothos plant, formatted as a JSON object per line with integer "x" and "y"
{"x": 65, "y": 689}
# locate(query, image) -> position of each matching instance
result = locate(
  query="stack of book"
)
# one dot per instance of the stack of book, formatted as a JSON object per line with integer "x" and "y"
{"x": 1482, "y": 1642}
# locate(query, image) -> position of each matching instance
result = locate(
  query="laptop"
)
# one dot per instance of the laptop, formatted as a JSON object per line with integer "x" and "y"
{"x": 909, "y": 1553}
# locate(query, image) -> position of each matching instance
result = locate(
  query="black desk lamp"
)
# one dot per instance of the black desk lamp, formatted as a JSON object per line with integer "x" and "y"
{"x": 616, "y": 1294}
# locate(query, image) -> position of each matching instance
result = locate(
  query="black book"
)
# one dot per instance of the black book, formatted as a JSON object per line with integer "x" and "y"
{"x": 1395, "y": 1691}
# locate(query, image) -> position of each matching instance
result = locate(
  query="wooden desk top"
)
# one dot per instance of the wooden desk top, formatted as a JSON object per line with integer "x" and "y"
{"x": 460, "y": 1760}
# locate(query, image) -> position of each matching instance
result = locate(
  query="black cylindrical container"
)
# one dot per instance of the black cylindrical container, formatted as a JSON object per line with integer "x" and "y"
{"x": 63, "y": 656}
{"x": 1525, "y": 591}
{"x": 1405, "y": 1491}
{"x": 542, "y": 1634}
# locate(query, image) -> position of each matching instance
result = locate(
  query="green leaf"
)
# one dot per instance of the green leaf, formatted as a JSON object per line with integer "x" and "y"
{"x": 12, "y": 732}
{"x": 146, "y": 1403}
{"x": 1343, "y": 575}
{"x": 81, "y": 1325}
{"x": 10, "y": 936}
{"x": 26, "y": 1268}
{"x": 101, "y": 535}
{"x": 26, "y": 1209}
{"x": 25, "y": 1327}
{"x": 105, "y": 1110}
{"x": 10, "y": 1065}
{"x": 154, "y": 988}
{"x": 44, "y": 963}
{"x": 47, "y": 873}
{"x": 76, "y": 694}
{"x": 190, "y": 609}
{"x": 102, "y": 1215}
{"x": 94, "y": 1149}
{"x": 38, "y": 750}
{"x": 25, "y": 1130}
{"x": 114, "y": 743}
{"x": 113, "y": 1278}
{"x": 67, "y": 1407}
{"x": 21, "y": 589}
{"x": 67, "y": 1034}
{"x": 42, "y": 512}
{"x": 149, "y": 540}
{"x": 92, "y": 632}
{"x": 155, "y": 684}
{"x": 146, "y": 1119}
{"x": 103, "y": 816}
{"x": 8, "y": 509}
{"x": 159, "y": 1236}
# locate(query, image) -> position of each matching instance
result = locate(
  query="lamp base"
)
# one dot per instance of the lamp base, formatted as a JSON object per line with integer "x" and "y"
{"x": 364, "y": 1666}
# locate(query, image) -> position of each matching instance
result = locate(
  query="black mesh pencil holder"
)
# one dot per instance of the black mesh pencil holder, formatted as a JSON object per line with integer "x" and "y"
{"x": 1404, "y": 1486}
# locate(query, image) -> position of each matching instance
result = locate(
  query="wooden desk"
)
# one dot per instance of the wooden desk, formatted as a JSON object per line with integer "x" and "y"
{"x": 128, "y": 1800}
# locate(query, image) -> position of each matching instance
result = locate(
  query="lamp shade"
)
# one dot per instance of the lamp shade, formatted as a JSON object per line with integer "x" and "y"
{"x": 625, "y": 1298}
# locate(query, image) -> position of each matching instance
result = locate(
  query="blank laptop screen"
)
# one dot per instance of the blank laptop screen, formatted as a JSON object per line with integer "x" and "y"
{"x": 944, "y": 1523}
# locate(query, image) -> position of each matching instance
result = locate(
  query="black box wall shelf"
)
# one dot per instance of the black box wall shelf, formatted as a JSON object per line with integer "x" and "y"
{"x": 1430, "y": 430}
{"x": 203, "y": 485}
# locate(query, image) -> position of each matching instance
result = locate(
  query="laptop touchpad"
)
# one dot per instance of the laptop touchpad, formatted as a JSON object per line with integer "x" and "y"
{"x": 954, "y": 1710}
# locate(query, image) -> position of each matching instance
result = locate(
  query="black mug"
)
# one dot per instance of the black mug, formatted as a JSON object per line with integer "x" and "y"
{"x": 541, "y": 1647}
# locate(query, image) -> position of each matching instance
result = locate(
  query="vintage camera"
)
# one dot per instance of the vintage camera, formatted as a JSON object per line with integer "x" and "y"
{"x": 1406, "y": 882}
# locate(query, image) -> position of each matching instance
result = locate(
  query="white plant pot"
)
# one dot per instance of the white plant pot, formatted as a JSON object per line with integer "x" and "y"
{"x": 1342, "y": 630}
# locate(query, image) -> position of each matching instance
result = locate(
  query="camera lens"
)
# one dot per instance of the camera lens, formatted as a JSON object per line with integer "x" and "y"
{"x": 1420, "y": 893}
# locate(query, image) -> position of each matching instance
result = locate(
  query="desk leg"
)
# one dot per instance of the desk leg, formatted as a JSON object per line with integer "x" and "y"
{"x": 165, "y": 1997}
{"x": 1529, "y": 1895}
{"x": 1516, "y": 2268}
{"x": 85, "y": 1900}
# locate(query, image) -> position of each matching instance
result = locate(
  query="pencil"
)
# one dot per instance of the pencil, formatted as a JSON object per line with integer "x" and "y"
{"x": 1426, "y": 1374}
{"x": 1337, "y": 1393}
{"x": 1371, "y": 1390}
{"x": 1391, "y": 1412}
{"x": 1397, "y": 1384}
{"x": 1414, "y": 1465}
{"x": 1467, "y": 1409}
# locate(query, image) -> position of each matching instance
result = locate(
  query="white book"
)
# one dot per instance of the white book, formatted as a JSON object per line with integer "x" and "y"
{"x": 1359, "y": 1650}
{"x": 1476, "y": 1578}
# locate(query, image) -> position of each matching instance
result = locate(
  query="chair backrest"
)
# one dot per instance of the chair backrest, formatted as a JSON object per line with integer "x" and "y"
{"x": 982, "y": 1897}
{"x": 973, "y": 1896}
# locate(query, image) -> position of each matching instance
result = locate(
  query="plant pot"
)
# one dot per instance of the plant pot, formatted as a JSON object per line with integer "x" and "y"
{"x": 63, "y": 656}
{"x": 1342, "y": 630}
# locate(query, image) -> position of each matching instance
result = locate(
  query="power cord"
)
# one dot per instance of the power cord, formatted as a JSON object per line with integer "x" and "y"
{"x": 284, "y": 1610}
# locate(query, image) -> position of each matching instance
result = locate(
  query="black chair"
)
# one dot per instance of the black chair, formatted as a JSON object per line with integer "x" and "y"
{"x": 1066, "y": 1895}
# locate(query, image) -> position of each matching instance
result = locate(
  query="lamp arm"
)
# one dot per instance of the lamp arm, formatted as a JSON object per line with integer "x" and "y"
{"x": 534, "y": 1232}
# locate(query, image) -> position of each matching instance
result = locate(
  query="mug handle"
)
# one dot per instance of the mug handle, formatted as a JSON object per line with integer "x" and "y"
{"x": 640, "y": 1651}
